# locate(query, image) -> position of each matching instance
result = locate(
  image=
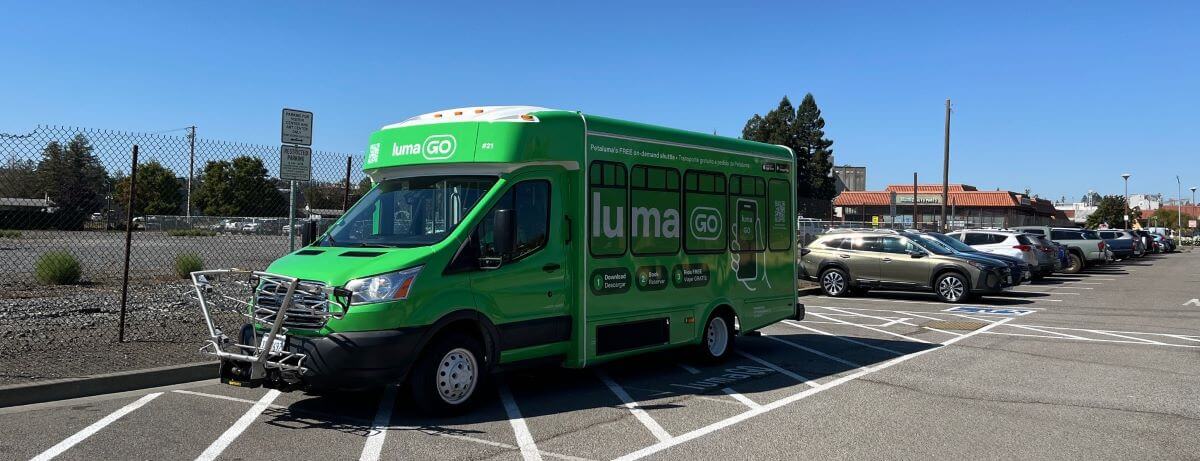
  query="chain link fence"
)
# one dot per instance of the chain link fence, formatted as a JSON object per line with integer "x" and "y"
{"x": 64, "y": 202}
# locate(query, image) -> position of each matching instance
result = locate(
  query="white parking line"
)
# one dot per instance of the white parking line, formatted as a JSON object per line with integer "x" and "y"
{"x": 909, "y": 324}
{"x": 1109, "y": 333}
{"x": 794, "y": 398}
{"x": 1185, "y": 338}
{"x": 378, "y": 432}
{"x": 898, "y": 335}
{"x": 238, "y": 427}
{"x": 741, "y": 398}
{"x": 1047, "y": 332}
{"x": 689, "y": 369}
{"x": 843, "y": 338}
{"x": 95, "y": 427}
{"x": 641, "y": 415}
{"x": 1074, "y": 288}
{"x": 816, "y": 352}
{"x": 529, "y": 449}
{"x": 1084, "y": 283}
{"x": 778, "y": 369}
{"x": 221, "y": 397}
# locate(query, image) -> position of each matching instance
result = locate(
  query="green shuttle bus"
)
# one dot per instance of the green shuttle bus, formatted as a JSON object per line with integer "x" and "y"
{"x": 506, "y": 235}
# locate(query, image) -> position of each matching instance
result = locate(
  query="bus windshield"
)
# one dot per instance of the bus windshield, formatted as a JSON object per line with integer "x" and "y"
{"x": 408, "y": 212}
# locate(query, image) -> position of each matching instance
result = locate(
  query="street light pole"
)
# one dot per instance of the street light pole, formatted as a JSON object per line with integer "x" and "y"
{"x": 1126, "y": 176}
{"x": 1178, "y": 204}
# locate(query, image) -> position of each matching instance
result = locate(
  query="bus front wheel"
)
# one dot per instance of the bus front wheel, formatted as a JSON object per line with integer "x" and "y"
{"x": 446, "y": 380}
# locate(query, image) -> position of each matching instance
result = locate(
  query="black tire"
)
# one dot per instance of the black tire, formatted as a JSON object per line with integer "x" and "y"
{"x": 952, "y": 287}
{"x": 834, "y": 282}
{"x": 1077, "y": 264}
{"x": 717, "y": 338}
{"x": 430, "y": 381}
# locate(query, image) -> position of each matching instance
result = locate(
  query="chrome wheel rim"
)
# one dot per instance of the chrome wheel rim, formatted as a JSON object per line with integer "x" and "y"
{"x": 717, "y": 336}
{"x": 833, "y": 283}
{"x": 456, "y": 376}
{"x": 951, "y": 288}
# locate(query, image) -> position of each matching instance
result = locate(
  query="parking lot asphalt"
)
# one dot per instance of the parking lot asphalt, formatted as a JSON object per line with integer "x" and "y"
{"x": 1100, "y": 365}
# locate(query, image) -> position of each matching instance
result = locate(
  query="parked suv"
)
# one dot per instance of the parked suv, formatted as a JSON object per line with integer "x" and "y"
{"x": 1008, "y": 243}
{"x": 1119, "y": 242}
{"x": 1019, "y": 269}
{"x": 852, "y": 262}
{"x": 1084, "y": 247}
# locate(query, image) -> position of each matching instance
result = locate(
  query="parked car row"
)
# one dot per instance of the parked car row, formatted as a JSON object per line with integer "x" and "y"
{"x": 965, "y": 264}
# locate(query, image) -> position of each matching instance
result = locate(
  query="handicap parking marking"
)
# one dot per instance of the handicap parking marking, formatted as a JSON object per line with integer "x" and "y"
{"x": 989, "y": 310}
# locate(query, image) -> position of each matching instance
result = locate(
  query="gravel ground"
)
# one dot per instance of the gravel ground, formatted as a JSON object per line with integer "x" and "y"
{"x": 71, "y": 331}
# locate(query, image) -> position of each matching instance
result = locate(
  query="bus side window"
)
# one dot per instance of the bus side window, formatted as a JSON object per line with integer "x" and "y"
{"x": 654, "y": 220}
{"x": 705, "y": 227}
{"x": 607, "y": 204}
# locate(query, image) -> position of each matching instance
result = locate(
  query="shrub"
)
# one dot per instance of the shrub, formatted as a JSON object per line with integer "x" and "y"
{"x": 191, "y": 232}
{"x": 9, "y": 234}
{"x": 187, "y": 263}
{"x": 57, "y": 268}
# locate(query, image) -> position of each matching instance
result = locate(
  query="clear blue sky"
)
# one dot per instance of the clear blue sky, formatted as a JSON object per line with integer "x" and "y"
{"x": 1059, "y": 97}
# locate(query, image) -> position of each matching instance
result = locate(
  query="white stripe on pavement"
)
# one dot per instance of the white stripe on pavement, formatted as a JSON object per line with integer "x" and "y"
{"x": 529, "y": 449}
{"x": 238, "y": 427}
{"x": 641, "y": 415}
{"x": 383, "y": 420}
{"x": 898, "y": 335}
{"x": 644, "y": 452}
{"x": 843, "y": 338}
{"x": 814, "y": 351}
{"x": 741, "y": 398}
{"x": 95, "y": 427}
{"x": 778, "y": 368}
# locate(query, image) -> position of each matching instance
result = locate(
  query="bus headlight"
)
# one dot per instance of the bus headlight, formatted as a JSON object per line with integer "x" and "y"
{"x": 383, "y": 287}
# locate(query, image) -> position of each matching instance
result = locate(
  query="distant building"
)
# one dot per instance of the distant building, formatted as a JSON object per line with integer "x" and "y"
{"x": 852, "y": 178}
{"x": 1076, "y": 212}
{"x": 967, "y": 207}
{"x": 1145, "y": 201}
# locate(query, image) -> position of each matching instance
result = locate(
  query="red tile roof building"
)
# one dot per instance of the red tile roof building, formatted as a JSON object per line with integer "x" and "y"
{"x": 967, "y": 205}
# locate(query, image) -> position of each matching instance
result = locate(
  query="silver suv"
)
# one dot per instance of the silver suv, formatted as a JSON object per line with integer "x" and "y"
{"x": 855, "y": 261}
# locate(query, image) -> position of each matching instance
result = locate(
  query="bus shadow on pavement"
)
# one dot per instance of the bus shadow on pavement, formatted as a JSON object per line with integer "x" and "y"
{"x": 662, "y": 382}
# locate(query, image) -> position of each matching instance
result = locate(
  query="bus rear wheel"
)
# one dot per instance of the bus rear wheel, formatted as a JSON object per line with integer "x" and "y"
{"x": 716, "y": 342}
{"x": 448, "y": 377}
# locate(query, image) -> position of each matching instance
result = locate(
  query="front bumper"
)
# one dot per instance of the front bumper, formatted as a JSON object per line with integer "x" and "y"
{"x": 989, "y": 281}
{"x": 357, "y": 360}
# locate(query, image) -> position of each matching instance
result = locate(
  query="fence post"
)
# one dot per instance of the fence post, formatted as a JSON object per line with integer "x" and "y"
{"x": 346, "y": 186}
{"x": 128, "y": 239}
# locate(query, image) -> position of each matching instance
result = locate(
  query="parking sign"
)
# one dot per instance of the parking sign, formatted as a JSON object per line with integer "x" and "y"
{"x": 295, "y": 163}
{"x": 296, "y": 127}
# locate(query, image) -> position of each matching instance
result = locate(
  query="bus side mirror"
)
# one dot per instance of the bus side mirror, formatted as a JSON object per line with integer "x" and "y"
{"x": 502, "y": 237}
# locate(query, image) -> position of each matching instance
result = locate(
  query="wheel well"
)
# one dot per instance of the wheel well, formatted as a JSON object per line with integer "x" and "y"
{"x": 940, "y": 272}
{"x": 831, "y": 265}
{"x": 726, "y": 311}
{"x": 469, "y": 324}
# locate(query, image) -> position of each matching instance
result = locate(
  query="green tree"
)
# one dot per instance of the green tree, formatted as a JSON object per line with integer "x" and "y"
{"x": 18, "y": 179}
{"x": 157, "y": 190}
{"x": 1091, "y": 197}
{"x": 1110, "y": 210}
{"x": 239, "y": 187}
{"x": 74, "y": 180}
{"x": 1167, "y": 217}
{"x": 803, "y": 130}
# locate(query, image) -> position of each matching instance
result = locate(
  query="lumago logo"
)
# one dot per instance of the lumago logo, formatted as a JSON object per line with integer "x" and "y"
{"x": 705, "y": 223}
{"x": 435, "y": 147}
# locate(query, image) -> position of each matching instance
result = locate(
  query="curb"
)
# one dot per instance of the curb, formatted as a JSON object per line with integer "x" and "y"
{"x": 62, "y": 389}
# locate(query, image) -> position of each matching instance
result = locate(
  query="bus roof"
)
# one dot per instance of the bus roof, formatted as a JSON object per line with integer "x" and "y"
{"x": 519, "y": 134}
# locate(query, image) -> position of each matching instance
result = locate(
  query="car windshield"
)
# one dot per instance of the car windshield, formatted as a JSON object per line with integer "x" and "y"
{"x": 951, "y": 242}
{"x": 408, "y": 212}
{"x": 933, "y": 245}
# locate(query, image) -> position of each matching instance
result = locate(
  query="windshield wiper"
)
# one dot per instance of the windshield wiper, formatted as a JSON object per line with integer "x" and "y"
{"x": 369, "y": 245}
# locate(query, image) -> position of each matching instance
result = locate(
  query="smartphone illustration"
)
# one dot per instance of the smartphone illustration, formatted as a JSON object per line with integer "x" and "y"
{"x": 747, "y": 235}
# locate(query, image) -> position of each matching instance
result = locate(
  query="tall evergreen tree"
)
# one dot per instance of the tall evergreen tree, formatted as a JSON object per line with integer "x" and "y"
{"x": 74, "y": 180}
{"x": 801, "y": 129}
{"x": 157, "y": 190}
{"x": 239, "y": 188}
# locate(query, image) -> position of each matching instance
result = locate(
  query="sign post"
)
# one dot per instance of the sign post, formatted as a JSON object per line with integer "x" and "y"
{"x": 295, "y": 159}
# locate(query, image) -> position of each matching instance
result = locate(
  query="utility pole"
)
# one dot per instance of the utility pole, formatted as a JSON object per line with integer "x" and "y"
{"x": 1127, "y": 217}
{"x": 946, "y": 169}
{"x": 914, "y": 200}
{"x": 191, "y": 168}
{"x": 1178, "y": 205}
